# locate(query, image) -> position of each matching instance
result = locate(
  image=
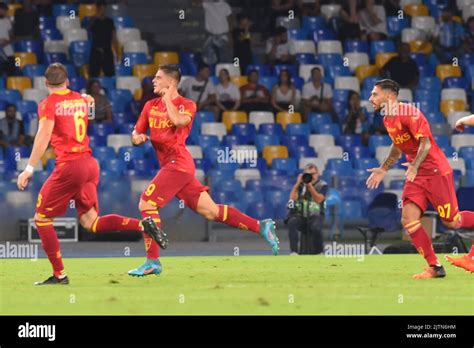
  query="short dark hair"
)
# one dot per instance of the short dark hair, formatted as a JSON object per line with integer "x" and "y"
{"x": 280, "y": 30}
{"x": 315, "y": 68}
{"x": 241, "y": 16}
{"x": 9, "y": 106}
{"x": 391, "y": 85}
{"x": 202, "y": 66}
{"x": 173, "y": 70}
{"x": 100, "y": 3}
{"x": 251, "y": 71}
{"x": 56, "y": 74}
{"x": 3, "y": 6}
{"x": 311, "y": 166}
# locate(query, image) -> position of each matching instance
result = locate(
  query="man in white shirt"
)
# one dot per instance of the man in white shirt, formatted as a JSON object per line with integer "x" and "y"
{"x": 6, "y": 38}
{"x": 201, "y": 90}
{"x": 218, "y": 24}
{"x": 317, "y": 95}
{"x": 279, "y": 49}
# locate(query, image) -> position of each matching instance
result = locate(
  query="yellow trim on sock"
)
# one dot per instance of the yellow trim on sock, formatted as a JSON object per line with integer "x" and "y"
{"x": 94, "y": 225}
{"x": 151, "y": 211}
{"x": 151, "y": 203}
{"x": 411, "y": 223}
{"x": 413, "y": 228}
{"x": 42, "y": 224}
{"x": 225, "y": 213}
{"x": 457, "y": 217}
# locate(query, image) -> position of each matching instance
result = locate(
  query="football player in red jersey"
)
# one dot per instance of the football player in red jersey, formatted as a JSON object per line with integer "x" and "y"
{"x": 465, "y": 261}
{"x": 63, "y": 120}
{"x": 169, "y": 118}
{"x": 429, "y": 177}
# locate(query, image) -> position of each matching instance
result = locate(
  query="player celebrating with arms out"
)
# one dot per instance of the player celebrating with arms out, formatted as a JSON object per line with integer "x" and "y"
{"x": 63, "y": 119}
{"x": 429, "y": 177}
{"x": 169, "y": 119}
{"x": 465, "y": 261}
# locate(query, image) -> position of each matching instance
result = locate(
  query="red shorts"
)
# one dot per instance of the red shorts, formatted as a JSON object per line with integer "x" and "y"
{"x": 170, "y": 182}
{"x": 74, "y": 180}
{"x": 438, "y": 190}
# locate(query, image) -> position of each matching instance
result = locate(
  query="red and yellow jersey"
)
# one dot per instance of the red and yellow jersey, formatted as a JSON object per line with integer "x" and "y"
{"x": 405, "y": 129}
{"x": 167, "y": 139}
{"x": 69, "y": 111}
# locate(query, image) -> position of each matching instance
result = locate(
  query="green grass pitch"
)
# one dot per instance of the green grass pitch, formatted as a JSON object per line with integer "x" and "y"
{"x": 238, "y": 285}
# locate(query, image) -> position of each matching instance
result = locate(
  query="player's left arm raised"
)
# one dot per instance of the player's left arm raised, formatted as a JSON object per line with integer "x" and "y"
{"x": 180, "y": 118}
{"x": 43, "y": 136}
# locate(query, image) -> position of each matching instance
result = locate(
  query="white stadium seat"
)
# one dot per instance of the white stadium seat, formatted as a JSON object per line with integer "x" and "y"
{"x": 22, "y": 163}
{"x": 56, "y": 46}
{"x": 405, "y": 94}
{"x": 454, "y": 93}
{"x": 454, "y": 116}
{"x": 424, "y": 23}
{"x": 128, "y": 34}
{"x": 284, "y": 21}
{"x": 71, "y": 35}
{"x": 461, "y": 4}
{"x": 200, "y": 175}
{"x": 246, "y": 174}
{"x": 132, "y": 83}
{"x": 304, "y": 46}
{"x": 460, "y": 140}
{"x": 331, "y": 152}
{"x": 412, "y": 34}
{"x": 329, "y": 11}
{"x": 403, "y": 3}
{"x": 39, "y": 82}
{"x": 139, "y": 46}
{"x": 347, "y": 82}
{"x": 34, "y": 94}
{"x": 381, "y": 153}
{"x": 356, "y": 59}
{"x": 305, "y": 70}
{"x": 139, "y": 185}
{"x": 213, "y": 128}
{"x": 260, "y": 117}
{"x": 195, "y": 151}
{"x": 467, "y": 11}
{"x": 118, "y": 140}
{"x": 329, "y": 46}
{"x": 64, "y": 23}
{"x": 319, "y": 162}
{"x": 231, "y": 68}
{"x": 18, "y": 198}
{"x": 393, "y": 174}
{"x": 458, "y": 164}
{"x": 319, "y": 141}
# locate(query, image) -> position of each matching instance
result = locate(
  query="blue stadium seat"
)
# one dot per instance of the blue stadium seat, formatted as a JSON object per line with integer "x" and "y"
{"x": 306, "y": 58}
{"x": 65, "y": 10}
{"x": 230, "y": 140}
{"x": 228, "y": 185}
{"x": 103, "y": 153}
{"x": 50, "y": 164}
{"x": 268, "y": 81}
{"x": 419, "y": 58}
{"x": 95, "y": 140}
{"x": 357, "y": 152}
{"x": 430, "y": 95}
{"x": 378, "y": 140}
{"x": 333, "y": 71}
{"x": 16, "y": 153}
{"x": 79, "y": 52}
{"x": 356, "y": 46}
{"x": 116, "y": 94}
{"x": 224, "y": 197}
{"x": 298, "y": 152}
{"x": 323, "y": 34}
{"x": 352, "y": 209}
{"x": 216, "y": 175}
{"x": 101, "y": 129}
{"x": 208, "y": 141}
{"x": 448, "y": 150}
{"x": 277, "y": 68}
{"x": 122, "y": 70}
{"x": 126, "y": 128}
{"x": 427, "y": 106}
{"x": 212, "y": 153}
{"x": 271, "y": 173}
{"x": 381, "y": 46}
{"x": 116, "y": 167}
{"x": 396, "y": 25}
{"x": 425, "y": 71}
{"x": 298, "y": 129}
{"x": 278, "y": 201}
{"x": 397, "y": 184}
{"x": 33, "y": 70}
{"x": 26, "y": 106}
{"x": 142, "y": 167}
{"x": 261, "y": 165}
{"x": 468, "y": 179}
{"x": 71, "y": 70}
{"x": 429, "y": 82}
{"x": 349, "y": 141}
{"x": 49, "y": 34}
{"x": 294, "y": 140}
{"x": 456, "y": 82}
{"x": 340, "y": 95}
{"x": 259, "y": 211}
{"x": 203, "y": 163}
{"x": 252, "y": 197}
{"x": 315, "y": 119}
{"x": 298, "y": 34}
{"x": 202, "y": 117}
{"x": 369, "y": 82}
{"x": 77, "y": 83}
{"x": 366, "y": 163}
{"x": 288, "y": 165}
{"x": 339, "y": 165}
{"x": 108, "y": 83}
{"x": 246, "y": 131}
{"x": 442, "y": 140}
{"x": 332, "y": 129}
{"x": 263, "y": 69}
{"x": 123, "y": 22}
{"x": 54, "y": 57}
{"x": 467, "y": 153}
{"x": 271, "y": 129}
{"x": 11, "y": 96}
{"x": 33, "y": 46}
{"x": 254, "y": 185}
{"x": 227, "y": 167}
{"x": 435, "y": 117}
{"x": 314, "y": 22}
{"x": 131, "y": 59}
{"x": 298, "y": 82}
{"x": 47, "y": 22}
{"x": 330, "y": 59}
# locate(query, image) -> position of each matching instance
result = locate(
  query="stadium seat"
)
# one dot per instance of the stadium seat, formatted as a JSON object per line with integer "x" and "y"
{"x": 319, "y": 141}
{"x": 347, "y": 82}
{"x": 231, "y": 117}
{"x": 454, "y": 93}
{"x": 286, "y": 164}
{"x": 34, "y": 70}
{"x": 164, "y": 57}
{"x": 65, "y": 23}
{"x": 349, "y": 141}
{"x": 231, "y": 68}
{"x": 456, "y": 82}
{"x": 71, "y": 35}
{"x": 356, "y": 59}
{"x": 441, "y": 128}
{"x": 25, "y": 106}
{"x": 454, "y": 116}
{"x": 381, "y": 46}
{"x": 129, "y": 34}
{"x": 460, "y": 140}
{"x": 416, "y": 10}
{"x": 305, "y": 70}
{"x": 118, "y": 140}
{"x": 330, "y": 10}
{"x": 316, "y": 119}
{"x": 331, "y": 152}
{"x": 47, "y": 22}
{"x": 30, "y": 46}
{"x": 213, "y": 128}
{"x": 274, "y": 151}
{"x": 323, "y": 34}
{"x": 319, "y": 162}
{"x": 339, "y": 165}
{"x": 139, "y": 46}
{"x": 87, "y": 10}
{"x": 10, "y": 95}
{"x": 420, "y": 46}
{"x": 132, "y": 58}
{"x": 262, "y": 140}
{"x": 239, "y": 81}
{"x": 103, "y": 153}
{"x": 284, "y": 118}
{"x": 123, "y": 22}
{"x": 447, "y": 70}
{"x": 56, "y": 46}
{"x": 207, "y": 141}
{"x": 330, "y": 47}
{"x": 268, "y": 81}
{"x": 352, "y": 209}
{"x": 405, "y": 95}
{"x": 54, "y": 57}
{"x": 277, "y": 68}
{"x": 366, "y": 163}
{"x": 424, "y": 23}
{"x": 447, "y": 106}
{"x": 244, "y": 130}
{"x": 144, "y": 70}
{"x": 356, "y": 46}
{"x": 382, "y": 58}
{"x": 304, "y": 46}
{"x": 364, "y": 71}
{"x": 132, "y": 83}
{"x": 25, "y": 58}
{"x": 36, "y": 95}
{"x": 395, "y": 25}
{"x": 378, "y": 140}
{"x": 79, "y": 52}
{"x": 298, "y": 34}
{"x": 313, "y": 23}
{"x": 19, "y": 83}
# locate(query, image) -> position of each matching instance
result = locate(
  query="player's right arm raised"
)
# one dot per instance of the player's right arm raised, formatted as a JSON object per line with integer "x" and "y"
{"x": 377, "y": 174}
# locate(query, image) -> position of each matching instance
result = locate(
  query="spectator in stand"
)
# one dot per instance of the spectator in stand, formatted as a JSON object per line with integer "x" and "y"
{"x": 7, "y": 60}
{"x": 310, "y": 8}
{"x": 103, "y": 109}
{"x": 392, "y": 8}
{"x": 317, "y": 95}
{"x": 280, "y": 49}
{"x": 12, "y": 131}
{"x": 469, "y": 36}
{"x": 103, "y": 39}
{"x": 402, "y": 68}
{"x": 356, "y": 122}
{"x": 228, "y": 94}
{"x": 448, "y": 38}
{"x": 349, "y": 20}
{"x": 44, "y": 7}
{"x": 373, "y": 22}
{"x": 147, "y": 92}
{"x": 242, "y": 42}
{"x": 26, "y": 23}
{"x": 281, "y": 8}
{"x": 201, "y": 90}
{"x": 284, "y": 93}
{"x": 255, "y": 97}
{"x": 219, "y": 26}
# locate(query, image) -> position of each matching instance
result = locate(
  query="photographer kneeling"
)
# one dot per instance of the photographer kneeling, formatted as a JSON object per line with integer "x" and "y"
{"x": 307, "y": 211}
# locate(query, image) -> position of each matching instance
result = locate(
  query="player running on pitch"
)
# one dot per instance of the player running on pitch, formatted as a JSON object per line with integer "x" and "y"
{"x": 429, "y": 177}
{"x": 465, "y": 261}
{"x": 169, "y": 119}
{"x": 63, "y": 119}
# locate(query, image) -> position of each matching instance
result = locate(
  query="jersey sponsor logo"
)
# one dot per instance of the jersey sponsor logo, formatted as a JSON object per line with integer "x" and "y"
{"x": 400, "y": 138}
{"x": 160, "y": 123}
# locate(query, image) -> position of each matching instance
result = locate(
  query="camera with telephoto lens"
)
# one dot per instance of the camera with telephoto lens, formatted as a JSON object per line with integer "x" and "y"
{"x": 307, "y": 178}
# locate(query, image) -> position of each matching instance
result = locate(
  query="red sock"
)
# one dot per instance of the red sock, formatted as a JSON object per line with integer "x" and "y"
{"x": 50, "y": 243}
{"x": 421, "y": 242}
{"x": 152, "y": 248}
{"x": 234, "y": 218}
{"x": 114, "y": 222}
{"x": 467, "y": 219}
{"x": 471, "y": 252}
